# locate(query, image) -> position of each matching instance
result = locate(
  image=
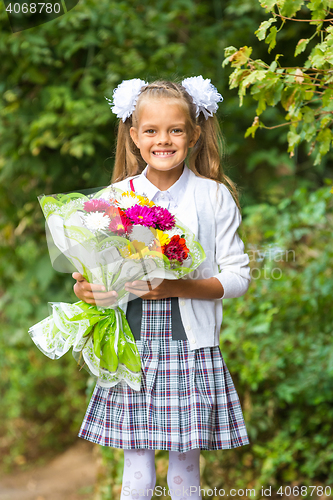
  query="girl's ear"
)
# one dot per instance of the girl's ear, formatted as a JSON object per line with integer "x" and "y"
{"x": 195, "y": 136}
{"x": 134, "y": 135}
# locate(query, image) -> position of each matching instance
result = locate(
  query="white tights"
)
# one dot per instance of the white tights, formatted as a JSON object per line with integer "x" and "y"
{"x": 139, "y": 478}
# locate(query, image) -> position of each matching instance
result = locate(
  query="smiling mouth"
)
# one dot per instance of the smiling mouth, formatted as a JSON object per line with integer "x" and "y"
{"x": 163, "y": 153}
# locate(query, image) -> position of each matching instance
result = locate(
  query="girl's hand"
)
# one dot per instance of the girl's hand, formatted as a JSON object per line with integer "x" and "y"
{"x": 160, "y": 289}
{"x": 209, "y": 288}
{"x": 92, "y": 294}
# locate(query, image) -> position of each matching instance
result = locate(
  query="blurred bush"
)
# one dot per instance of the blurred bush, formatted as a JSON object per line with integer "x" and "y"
{"x": 277, "y": 343}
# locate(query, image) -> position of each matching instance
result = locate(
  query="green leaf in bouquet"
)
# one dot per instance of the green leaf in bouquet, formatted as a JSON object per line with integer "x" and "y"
{"x": 122, "y": 242}
{"x": 109, "y": 359}
{"x": 49, "y": 205}
{"x": 79, "y": 234}
{"x": 61, "y": 204}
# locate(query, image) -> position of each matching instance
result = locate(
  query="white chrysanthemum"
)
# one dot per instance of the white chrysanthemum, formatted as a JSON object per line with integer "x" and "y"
{"x": 205, "y": 96}
{"x": 125, "y": 97}
{"x": 96, "y": 221}
{"x": 128, "y": 202}
{"x": 142, "y": 233}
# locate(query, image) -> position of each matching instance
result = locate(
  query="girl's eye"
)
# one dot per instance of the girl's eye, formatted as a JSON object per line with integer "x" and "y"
{"x": 150, "y": 131}
{"x": 177, "y": 130}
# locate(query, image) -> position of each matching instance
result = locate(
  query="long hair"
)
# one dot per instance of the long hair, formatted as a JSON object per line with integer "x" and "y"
{"x": 204, "y": 158}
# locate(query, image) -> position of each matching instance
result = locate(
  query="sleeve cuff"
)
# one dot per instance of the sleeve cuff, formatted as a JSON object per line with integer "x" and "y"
{"x": 233, "y": 284}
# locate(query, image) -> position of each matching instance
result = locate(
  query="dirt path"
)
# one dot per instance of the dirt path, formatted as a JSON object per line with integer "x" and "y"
{"x": 70, "y": 476}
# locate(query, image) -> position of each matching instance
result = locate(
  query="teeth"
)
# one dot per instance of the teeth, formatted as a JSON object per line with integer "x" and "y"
{"x": 163, "y": 153}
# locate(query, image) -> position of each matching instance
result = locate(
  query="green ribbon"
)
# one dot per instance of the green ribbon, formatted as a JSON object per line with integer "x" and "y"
{"x": 112, "y": 337}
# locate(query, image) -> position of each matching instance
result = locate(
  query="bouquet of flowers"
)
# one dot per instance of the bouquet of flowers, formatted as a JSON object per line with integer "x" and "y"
{"x": 111, "y": 237}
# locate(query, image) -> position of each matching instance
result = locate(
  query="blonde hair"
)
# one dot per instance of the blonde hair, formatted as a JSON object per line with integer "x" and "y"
{"x": 204, "y": 157}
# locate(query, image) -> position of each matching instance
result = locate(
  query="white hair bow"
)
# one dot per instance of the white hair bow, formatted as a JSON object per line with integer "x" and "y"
{"x": 205, "y": 96}
{"x": 125, "y": 97}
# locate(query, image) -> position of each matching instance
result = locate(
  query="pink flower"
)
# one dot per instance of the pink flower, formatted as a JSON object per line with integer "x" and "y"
{"x": 120, "y": 226}
{"x": 142, "y": 215}
{"x": 164, "y": 219}
{"x": 96, "y": 205}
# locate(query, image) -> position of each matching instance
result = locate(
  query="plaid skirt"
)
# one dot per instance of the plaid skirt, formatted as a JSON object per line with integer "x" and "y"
{"x": 187, "y": 398}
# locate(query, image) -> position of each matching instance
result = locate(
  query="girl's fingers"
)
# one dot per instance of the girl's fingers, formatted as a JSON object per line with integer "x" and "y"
{"x": 104, "y": 295}
{"x": 105, "y": 299}
{"x": 78, "y": 277}
{"x": 105, "y": 304}
{"x": 101, "y": 299}
{"x": 142, "y": 286}
{"x": 85, "y": 284}
{"x": 137, "y": 285}
{"x": 92, "y": 287}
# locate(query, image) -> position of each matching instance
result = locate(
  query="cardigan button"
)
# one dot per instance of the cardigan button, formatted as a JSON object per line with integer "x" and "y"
{"x": 182, "y": 303}
{"x": 188, "y": 327}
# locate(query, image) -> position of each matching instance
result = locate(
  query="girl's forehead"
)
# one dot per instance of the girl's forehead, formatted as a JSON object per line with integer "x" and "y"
{"x": 154, "y": 108}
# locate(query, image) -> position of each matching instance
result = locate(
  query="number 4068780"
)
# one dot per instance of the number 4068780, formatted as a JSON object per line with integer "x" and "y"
{"x": 304, "y": 491}
{"x": 31, "y": 8}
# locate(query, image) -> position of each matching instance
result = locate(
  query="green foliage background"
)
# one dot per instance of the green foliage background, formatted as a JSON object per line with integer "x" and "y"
{"x": 57, "y": 135}
{"x": 303, "y": 88}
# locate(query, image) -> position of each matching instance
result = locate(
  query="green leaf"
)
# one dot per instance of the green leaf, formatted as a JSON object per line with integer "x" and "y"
{"x": 261, "y": 104}
{"x": 309, "y": 131}
{"x": 308, "y": 115}
{"x": 327, "y": 97}
{"x": 273, "y": 92}
{"x": 228, "y": 52}
{"x": 301, "y": 46}
{"x": 271, "y": 39}
{"x": 240, "y": 57}
{"x": 236, "y": 77}
{"x": 318, "y": 8}
{"x": 290, "y": 7}
{"x": 273, "y": 66}
{"x": 254, "y": 76}
{"x": 261, "y": 31}
{"x": 318, "y": 56}
{"x": 293, "y": 139}
{"x": 268, "y": 4}
{"x": 324, "y": 139}
{"x": 252, "y": 130}
{"x": 288, "y": 97}
{"x": 324, "y": 122}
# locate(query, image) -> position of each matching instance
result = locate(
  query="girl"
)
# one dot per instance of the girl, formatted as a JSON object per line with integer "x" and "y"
{"x": 187, "y": 400}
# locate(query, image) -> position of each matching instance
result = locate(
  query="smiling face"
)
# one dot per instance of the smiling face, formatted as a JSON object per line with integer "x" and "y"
{"x": 162, "y": 134}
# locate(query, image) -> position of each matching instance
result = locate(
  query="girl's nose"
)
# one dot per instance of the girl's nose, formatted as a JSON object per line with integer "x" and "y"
{"x": 163, "y": 138}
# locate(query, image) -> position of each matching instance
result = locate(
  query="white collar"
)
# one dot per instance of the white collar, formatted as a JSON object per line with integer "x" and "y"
{"x": 176, "y": 191}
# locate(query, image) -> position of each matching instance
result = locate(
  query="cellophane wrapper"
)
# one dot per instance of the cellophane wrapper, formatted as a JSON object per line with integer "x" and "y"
{"x": 100, "y": 338}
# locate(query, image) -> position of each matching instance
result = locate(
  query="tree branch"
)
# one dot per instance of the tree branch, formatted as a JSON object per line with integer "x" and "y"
{"x": 306, "y": 20}
{"x": 278, "y": 126}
